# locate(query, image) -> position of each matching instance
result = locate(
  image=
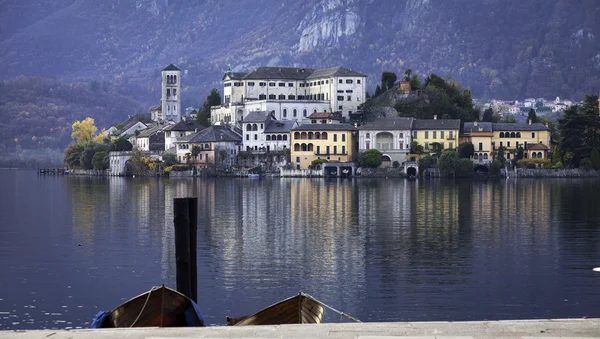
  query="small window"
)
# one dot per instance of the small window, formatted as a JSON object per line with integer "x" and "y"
{"x": 340, "y": 98}
{"x": 343, "y": 137}
{"x": 335, "y": 137}
{"x": 348, "y": 91}
{"x": 174, "y": 91}
{"x": 262, "y": 97}
{"x": 238, "y": 84}
{"x": 291, "y": 97}
{"x": 326, "y": 81}
{"x": 358, "y": 81}
{"x": 281, "y": 97}
{"x": 262, "y": 84}
{"x": 272, "y": 97}
{"x": 255, "y": 136}
{"x": 349, "y": 98}
{"x": 251, "y": 83}
{"x": 290, "y": 84}
{"x": 247, "y": 136}
{"x": 533, "y": 134}
{"x": 285, "y": 113}
{"x": 341, "y": 81}
{"x": 295, "y": 112}
{"x": 340, "y": 107}
{"x": 304, "y": 112}
{"x": 349, "y": 81}
{"x": 271, "y": 84}
{"x": 340, "y": 91}
{"x": 282, "y": 84}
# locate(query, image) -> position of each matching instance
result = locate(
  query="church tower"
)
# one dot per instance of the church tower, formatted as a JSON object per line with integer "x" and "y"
{"x": 171, "y": 93}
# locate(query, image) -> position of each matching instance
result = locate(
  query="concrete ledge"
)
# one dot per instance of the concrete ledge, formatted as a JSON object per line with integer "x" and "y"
{"x": 555, "y": 328}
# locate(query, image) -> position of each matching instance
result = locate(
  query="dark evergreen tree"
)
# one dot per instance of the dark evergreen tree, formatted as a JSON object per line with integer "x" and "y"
{"x": 488, "y": 115}
{"x": 532, "y": 116}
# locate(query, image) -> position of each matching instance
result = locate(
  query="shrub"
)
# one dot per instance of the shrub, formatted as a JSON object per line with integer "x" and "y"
{"x": 395, "y": 164}
{"x": 495, "y": 168}
{"x": 100, "y": 161}
{"x": 464, "y": 168}
{"x": 531, "y": 165}
{"x": 586, "y": 163}
{"x": 317, "y": 163}
{"x": 466, "y": 150}
{"x": 447, "y": 162}
{"x": 370, "y": 158}
{"x": 169, "y": 159}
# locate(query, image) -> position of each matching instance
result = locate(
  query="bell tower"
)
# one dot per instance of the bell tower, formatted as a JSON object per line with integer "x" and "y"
{"x": 171, "y": 93}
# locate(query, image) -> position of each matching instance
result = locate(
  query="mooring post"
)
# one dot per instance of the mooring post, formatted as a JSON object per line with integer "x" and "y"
{"x": 181, "y": 221}
{"x": 193, "y": 213}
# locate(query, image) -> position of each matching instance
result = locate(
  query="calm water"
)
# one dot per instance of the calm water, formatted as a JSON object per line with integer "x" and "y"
{"x": 381, "y": 250}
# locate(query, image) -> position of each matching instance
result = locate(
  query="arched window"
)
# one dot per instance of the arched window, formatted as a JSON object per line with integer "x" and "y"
{"x": 291, "y": 97}
{"x": 284, "y": 137}
{"x": 518, "y": 134}
{"x": 254, "y": 127}
{"x": 268, "y": 137}
{"x": 311, "y": 148}
{"x": 368, "y": 135}
{"x": 272, "y": 97}
{"x": 297, "y": 135}
{"x": 485, "y": 156}
{"x": 296, "y": 147}
{"x": 315, "y": 110}
{"x": 310, "y": 135}
{"x": 324, "y": 135}
{"x": 401, "y": 135}
{"x": 262, "y": 96}
{"x": 303, "y": 135}
{"x": 175, "y": 79}
{"x": 304, "y": 112}
{"x": 295, "y": 113}
{"x": 501, "y": 134}
{"x": 285, "y": 113}
{"x": 533, "y": 155}
{"x": 279, "y": 137}
{"x": 480, "y": 156}
{"x": 248, "y": 127}
{"x": 513, "y": 135}
{"x": 540, "y": 155}
{"x": 281, "y": 97}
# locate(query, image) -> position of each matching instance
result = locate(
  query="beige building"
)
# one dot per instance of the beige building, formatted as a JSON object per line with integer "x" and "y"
{"x": 431, "y": 132}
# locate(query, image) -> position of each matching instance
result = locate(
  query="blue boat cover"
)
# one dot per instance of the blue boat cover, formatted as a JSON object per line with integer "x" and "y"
{"x": 99, "y": 319}
{"x": 192, "y": 315}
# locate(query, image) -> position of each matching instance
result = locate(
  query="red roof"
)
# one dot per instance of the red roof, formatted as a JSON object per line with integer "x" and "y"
{"x": 536, "y": 147}
{"x": 320, "y": 115}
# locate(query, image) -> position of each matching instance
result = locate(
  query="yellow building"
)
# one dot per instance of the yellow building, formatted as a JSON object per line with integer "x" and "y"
{"x": 534, "y": 138}
{"x": 333, "y": 142}
{"x": 443, "y": 132}
{"x": 480, "y": 134}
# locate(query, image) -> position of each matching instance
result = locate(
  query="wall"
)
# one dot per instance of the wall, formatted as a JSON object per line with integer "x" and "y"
{"x": 300, "y": 173}
{"x": 556, "y": 173}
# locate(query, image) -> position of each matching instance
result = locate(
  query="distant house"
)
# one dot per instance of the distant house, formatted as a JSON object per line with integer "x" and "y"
{"x": 180, "y": 129}
{"x": 328, "y": 141}
{"x": 135, "y": 123}
{"x": 216, "y": 145}
{"x": 151, "y": 139}
{"x": 391, "y": 136}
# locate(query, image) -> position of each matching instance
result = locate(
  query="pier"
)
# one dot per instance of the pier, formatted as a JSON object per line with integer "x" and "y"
{"x": 52, "y": 171}
{"x": 554, "y": 328}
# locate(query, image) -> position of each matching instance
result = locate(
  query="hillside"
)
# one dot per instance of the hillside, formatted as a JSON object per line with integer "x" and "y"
{"x": 37, "y": 113}
{"x": 497, "y": 48}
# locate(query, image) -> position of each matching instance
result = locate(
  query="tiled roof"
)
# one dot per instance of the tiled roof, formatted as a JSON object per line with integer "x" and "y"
{"x": 280, "y": 126}
{"x": 171, "y": 67}
{"x": 396, "y": 123}
{"x": 334, "y": 71}
{"x": 519, "y": 127}
{"x": 429, "y": 124}
{"x": 149, "y": 131}
{"x": 235, "y": 75}
{"x": 282, "y": 73}
{"x": 319, "y": 115}
{"x": 186, "y": 125}
{"x": 470, "y": 127}
{"x": 536, "y": 147}
{"x": 256, "y": 116}
{"x": 324, "y": 127}
{"x": 212, "y": 134}
{"x": 144, "y": 118}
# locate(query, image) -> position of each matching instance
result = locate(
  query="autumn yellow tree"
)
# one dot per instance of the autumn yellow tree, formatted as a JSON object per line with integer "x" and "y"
{"x": 83, "y": 130}
{"x": 100, "y": 137}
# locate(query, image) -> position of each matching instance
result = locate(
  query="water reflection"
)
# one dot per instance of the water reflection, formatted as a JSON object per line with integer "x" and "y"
{"x": 382, "y": 250}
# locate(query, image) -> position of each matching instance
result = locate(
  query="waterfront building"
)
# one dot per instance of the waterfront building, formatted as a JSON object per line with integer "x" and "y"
{"x": 151, "y": 139}
{"x": 216, "y": 146}
{"x": 290, "y": 93}
{"x": 391, "y": 136}
{"x": 533, "y": 137}
{"x": 442, "y": 134}
{"x": 171, "y": 94}
{"x": 180, "y": 129}
{"x": 480, "y": 135}
{"x": 334, "y": 142}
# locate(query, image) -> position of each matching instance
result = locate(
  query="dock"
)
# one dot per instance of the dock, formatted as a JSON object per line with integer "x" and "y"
{"x": 549, "y": 329}
{"x": 52, "y": 171}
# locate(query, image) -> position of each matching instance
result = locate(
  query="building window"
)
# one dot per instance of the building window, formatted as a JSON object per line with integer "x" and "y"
{"x": 251, "y": 83}
{"x": 368, "y": 135}
{"x": 290, "y": 84}
{"x": 295, "y": 112}
{"x": 247, "y": 136}
{"x": 262, "y": 84}
{"x": 343, "y": 137}
{"x": 281, "y": 97}
{"x": 348, "y": 91}
{"x": 291, "y": 97}
{"x": 255, "y": 136}
{"x": 341, "y": 81}
{"x": 272, "y": 97}
{"x": 340, "y": 98}
{"x": 435, "y": 134}
{"x": 340, "y": 107}
{"x": 481, "y": 146}
{"x": 349, "y": 81}
{"x": 271, "y": 84}
{"x": 442, "y": 134}
{"x": 358, "y": 81}
{"x": 426, "y": 134}
{"x": 304, "y": 112}
{"x": 168, "y": 92}
{"x": 508, "y": 144}
{"x": 533, "y": 134}
{"x": 426, "y": 145}
{"x": 262, "y": 97}
{"x": 335, "y": 150}
{"x": 174, "y": 91}
{"x": 343, "y": 149}
{"x": 282, "y": 84}
{"x": 335, "y": 137}
{"x": 349, "y": 98}
{"x": 450, "y": 146}
{"x": 313, "y": 121}
{"x": 285, "y": 113}
{"x": 450, "y": 136}
{"x": 238, "y": 84}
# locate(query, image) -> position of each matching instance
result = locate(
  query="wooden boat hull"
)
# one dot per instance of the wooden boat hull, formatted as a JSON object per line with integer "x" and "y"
{"x": 299, "y": 309}
{"x": 159, "y": 307}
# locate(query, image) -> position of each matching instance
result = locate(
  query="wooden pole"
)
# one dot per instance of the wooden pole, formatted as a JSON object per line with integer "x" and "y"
{"x": 181, "y": 221}
{"x": 193, "y": 213}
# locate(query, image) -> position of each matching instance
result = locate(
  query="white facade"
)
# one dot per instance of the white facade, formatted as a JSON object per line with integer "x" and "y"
{"x": 171, "y": 93}
{"x": 392, "y": 143}
{"x": 142, "y": 144}
{"x": 323, "y": 90}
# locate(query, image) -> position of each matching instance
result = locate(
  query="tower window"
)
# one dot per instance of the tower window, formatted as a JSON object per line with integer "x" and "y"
{"x": 174, "y": 91}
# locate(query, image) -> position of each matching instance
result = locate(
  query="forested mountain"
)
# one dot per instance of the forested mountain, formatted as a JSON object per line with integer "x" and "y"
{"x": 499, "y": 48}
{"x": 109, "y": 53}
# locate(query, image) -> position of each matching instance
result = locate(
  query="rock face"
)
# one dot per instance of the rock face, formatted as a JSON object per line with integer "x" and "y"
{"x": 527, "y": 48}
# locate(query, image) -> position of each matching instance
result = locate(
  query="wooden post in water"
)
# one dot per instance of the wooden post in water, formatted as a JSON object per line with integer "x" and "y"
{"x": 185, "y": 213}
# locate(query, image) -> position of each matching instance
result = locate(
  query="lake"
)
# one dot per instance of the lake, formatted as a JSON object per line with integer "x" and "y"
{"x": 378, "y": 249}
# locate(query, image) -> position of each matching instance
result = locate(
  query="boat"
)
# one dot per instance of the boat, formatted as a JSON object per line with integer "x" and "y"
{"x": 159, "y": 307}
{"x": 299, "y": 309}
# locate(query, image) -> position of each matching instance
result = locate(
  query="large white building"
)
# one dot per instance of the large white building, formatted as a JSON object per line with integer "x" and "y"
{"x": 290, "y": 93}
{"x": 262, "y": 133}
{"x": 391, "y": 136}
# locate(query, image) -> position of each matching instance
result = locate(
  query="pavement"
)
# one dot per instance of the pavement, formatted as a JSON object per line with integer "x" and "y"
{"x": 549, "y": 329}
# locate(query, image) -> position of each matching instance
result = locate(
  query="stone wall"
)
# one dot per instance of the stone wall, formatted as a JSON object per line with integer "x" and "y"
{"x": 388, "y": 172}
{"x": 300, "y": 173}
{"x": 556, "y": 173}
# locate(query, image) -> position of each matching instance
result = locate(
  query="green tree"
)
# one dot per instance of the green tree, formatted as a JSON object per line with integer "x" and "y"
{"x": 377, "y": 92}
{"x": 222, "y": 156}
{"x": 415, "y": 82}
{"x": 447, "y": 162}
{"x": 580, "y": 130}
{"x": 466, "y": 150}
{"x": 73, "y": 155}
{"x": 556, "y": 155}
{"x": 86, "y": 156}
{"x": 415, "y": 148}
{"x": 387, "y": 80}
{"x": 519, "y": 154}
{"x": 317, "y": 163}
{"x": 212, "y": 99}
{"x": 121, "y": 144}
{"x": 138, "y": 164}
{"x": 195, "y": 150}
{"x": 407, "y": 74}
{"x": 595, "y": 157}
{"x": 500, "y": 155}
{"x": 100, "y": 161}
{"x": 586, "y": 163}
{"x": 436, "y": 147}
{"x": 508, "y": 118}
{"x": 370, "y": 158}
{"x": 425, "y": 162}
{"x": 532, "y": 116}
{"x": 488, "y": 115}
{"x": 169, "y": 159}
{"x": 495, "y": 167}
{"x": 464, "y": 168}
